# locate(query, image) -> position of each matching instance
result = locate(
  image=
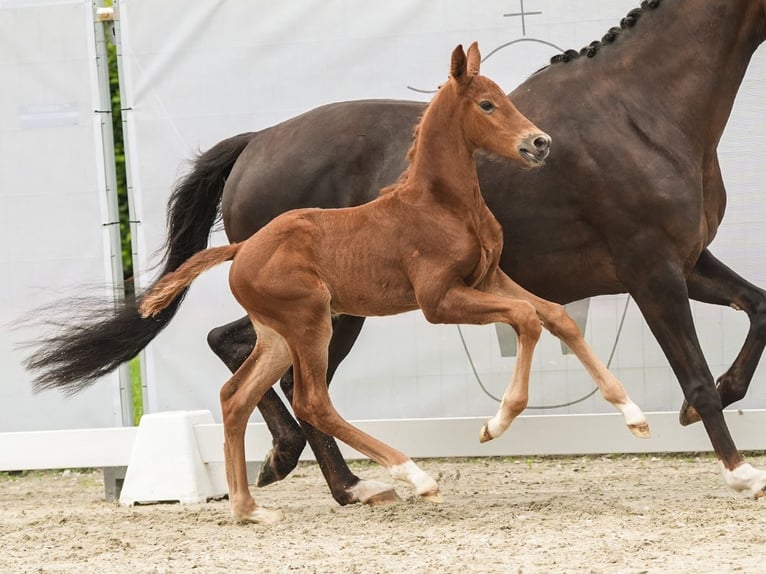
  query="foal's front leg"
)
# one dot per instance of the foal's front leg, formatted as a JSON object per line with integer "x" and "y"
{"x": 462, "y": 304}
{"x": 557, "y": 321}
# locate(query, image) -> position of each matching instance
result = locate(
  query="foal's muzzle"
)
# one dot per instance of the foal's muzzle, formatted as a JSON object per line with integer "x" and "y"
{"x": 535, "y": 147}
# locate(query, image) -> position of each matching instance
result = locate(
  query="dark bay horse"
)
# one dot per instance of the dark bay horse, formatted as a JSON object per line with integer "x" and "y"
{"x": 427, "y": 242}
{"x": 629, "y": 201}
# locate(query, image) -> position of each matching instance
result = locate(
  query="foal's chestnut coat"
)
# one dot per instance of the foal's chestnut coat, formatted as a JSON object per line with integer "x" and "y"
{"x": 427, "y": 242}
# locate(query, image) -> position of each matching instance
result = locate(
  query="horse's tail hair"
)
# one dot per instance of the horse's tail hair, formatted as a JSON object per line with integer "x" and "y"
{"x": 91, "y": 337}
{"x": 165, "y": 290}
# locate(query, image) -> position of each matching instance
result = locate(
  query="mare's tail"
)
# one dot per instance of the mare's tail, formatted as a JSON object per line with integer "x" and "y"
{"x": 93, "y": 337}
{"x": 169, "y": 287}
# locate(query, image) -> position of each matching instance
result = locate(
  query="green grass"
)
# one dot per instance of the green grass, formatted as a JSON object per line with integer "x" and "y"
{"x": 136, "y": 389}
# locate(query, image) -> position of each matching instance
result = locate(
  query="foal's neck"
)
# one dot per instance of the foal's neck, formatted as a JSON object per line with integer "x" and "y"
{"x": 442, "y": 163}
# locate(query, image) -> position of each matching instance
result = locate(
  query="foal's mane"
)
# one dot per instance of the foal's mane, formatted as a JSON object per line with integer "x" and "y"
{"x": 592, "y": 49}
{"x": 410, "y": 157}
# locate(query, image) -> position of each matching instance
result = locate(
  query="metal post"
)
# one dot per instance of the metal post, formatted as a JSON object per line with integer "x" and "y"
{"x": 133, "y": 217}
{"x": 103, "y": 15}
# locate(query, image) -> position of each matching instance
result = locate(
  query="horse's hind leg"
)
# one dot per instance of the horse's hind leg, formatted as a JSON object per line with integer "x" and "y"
{"x": 713, "y": 282}
{"x": 345, "y": 486}
{"x": 233, "y": 343}
{"x": 559, "y": 323}
{"x": 239, "y": 396}
{"x": 311, "y": 402}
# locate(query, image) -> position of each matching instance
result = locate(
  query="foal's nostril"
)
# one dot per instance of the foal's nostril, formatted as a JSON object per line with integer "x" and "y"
{"x": 541, "y": 143}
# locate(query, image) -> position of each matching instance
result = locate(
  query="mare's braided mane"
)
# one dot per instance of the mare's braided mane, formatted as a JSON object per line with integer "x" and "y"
{"x": 592, "y": 49}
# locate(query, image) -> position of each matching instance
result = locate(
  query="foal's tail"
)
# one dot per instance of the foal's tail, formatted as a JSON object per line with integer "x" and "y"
{"x": 165, "y": 291}
{"x": 91, "y": 337}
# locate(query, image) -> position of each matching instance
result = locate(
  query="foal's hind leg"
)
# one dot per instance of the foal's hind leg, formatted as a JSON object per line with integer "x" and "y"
{"x": 311, "y": 401}
{"x": 713, "y": 282}
{"x": 239, "y": 396}
{"x": 559, "y": 323}
{"x": 346, "y": 487}
{"x": 233, "y": 343}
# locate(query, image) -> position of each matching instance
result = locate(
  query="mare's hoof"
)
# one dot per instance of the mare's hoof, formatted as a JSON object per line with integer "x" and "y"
{"x": 484, "y": 435}
{"x": 267, "y": 475}
{"x": 374, "y": 493}
{"x": 641, "y": 430}
{"x": 760, "y": 494}
{"x": 273, "y": 469}
{"x": 262, "y": 516}
{"x": 386, "y": 498}
{"x": 688, "y": 415}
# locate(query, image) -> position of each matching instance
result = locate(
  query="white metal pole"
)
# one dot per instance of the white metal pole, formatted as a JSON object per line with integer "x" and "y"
{"x": 102, "y": 16}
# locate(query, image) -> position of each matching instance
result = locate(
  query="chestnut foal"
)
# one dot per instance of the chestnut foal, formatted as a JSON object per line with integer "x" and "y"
{"x": 427, "y": 242}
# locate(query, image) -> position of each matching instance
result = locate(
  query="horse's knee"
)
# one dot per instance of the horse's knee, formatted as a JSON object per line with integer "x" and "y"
{"x": 527, "y": 322}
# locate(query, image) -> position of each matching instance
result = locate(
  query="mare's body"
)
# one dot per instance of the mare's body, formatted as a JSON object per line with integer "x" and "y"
{"x": 630, "y": 199}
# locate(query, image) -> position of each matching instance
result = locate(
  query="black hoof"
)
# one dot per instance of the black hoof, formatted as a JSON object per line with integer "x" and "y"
{"x": 688, "y": 415}
{"x": 273, "y": 470}
{"x": 267, "y": 475}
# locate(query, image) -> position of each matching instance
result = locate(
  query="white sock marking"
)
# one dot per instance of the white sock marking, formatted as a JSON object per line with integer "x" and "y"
{"x": 745, "y": 477}
{"x": 417, "y": 477}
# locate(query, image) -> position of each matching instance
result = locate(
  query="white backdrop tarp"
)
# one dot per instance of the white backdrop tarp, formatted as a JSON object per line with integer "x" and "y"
{"x": 52, "y": 210}
{"x": 198, "y": 73}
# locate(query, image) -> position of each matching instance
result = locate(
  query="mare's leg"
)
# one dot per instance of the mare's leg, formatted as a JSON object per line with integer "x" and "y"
{"x": 713, "y": 282}
{"x": 661, "y": 294}
{"x": 559, "y": 323}
{"x": 239, "y": 396}
{"x": 311, "y": 401}
{"x": 344, "y": 485}
{"x": 233, "y": 343}
{"x": 465, "y": 305}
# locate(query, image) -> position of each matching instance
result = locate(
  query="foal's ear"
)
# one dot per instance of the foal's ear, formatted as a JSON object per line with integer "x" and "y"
{"x": 458, "y": 68}
{"x": 474, "y": 59}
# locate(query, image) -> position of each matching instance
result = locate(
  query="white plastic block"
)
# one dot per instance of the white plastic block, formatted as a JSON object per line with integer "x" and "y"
{"x": 166, "y": 465}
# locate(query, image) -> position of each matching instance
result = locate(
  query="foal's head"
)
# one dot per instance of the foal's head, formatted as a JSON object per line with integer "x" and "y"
{"x": 488, "y": 118}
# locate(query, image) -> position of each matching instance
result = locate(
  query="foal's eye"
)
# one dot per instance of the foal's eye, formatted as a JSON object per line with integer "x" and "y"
{"x": 486, "y": 105}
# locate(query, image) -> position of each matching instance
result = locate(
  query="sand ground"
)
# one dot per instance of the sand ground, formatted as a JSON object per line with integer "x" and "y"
{"x": 581, "y": 515}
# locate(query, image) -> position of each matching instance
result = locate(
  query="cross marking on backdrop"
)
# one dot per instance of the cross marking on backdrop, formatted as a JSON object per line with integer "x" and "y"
{"x": 523, "y": 15}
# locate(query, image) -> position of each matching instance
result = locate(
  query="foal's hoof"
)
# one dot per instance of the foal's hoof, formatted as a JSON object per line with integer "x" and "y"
{"x": 641, "y": 430}
{"x": 688, "y": 415}
{"x": 434, "y": 496}
{"x": 484, "y": 435}
{"x": 262, "y": 516}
